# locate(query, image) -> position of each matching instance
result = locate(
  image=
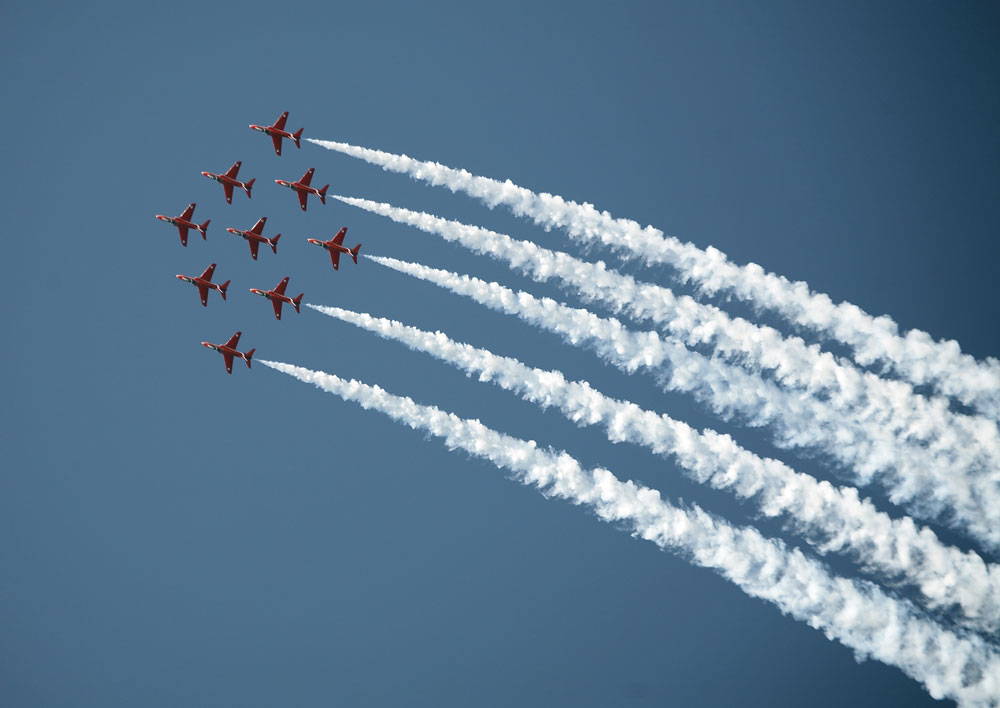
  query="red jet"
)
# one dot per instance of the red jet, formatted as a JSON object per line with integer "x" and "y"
{"x": 277, "y": 296}
{"x": 303, "y": 188}
{"x": 254, "y": 238}
{"x": 228, "y": 180}
{"x": 183, "y": 223}
{"x": 204, "y": 282}
{"x": 336, "y": 246}
{"x": 228, "y": 351}
{"x": 277, "y": 132}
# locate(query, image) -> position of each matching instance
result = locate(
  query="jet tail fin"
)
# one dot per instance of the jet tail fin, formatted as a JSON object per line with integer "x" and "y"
{"x": 354, "y": 252}
{"x": 248, "y": 186}
{"x": 203, "y": 228}
{"x": 248, "y": 356}
{"x": 322, "y": 194}
{"x": 296, "y": 136}
{"x": 273, "y": 243}
{"x": 222, "y": 288}
{"x": 297, "y": 300}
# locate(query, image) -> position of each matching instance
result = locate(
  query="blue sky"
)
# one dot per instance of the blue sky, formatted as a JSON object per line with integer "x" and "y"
{"x": 172, "y": 535}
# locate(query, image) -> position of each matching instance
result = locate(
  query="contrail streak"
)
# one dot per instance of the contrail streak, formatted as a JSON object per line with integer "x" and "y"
{"x": 857, "y": 614}
{"x": 958, "y": 443}
{"x": 914, "y": 355}
{"x": 831, "y": 518}
{"x": 971, "y": 505}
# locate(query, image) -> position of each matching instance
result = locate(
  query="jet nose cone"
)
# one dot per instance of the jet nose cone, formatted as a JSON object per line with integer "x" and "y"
{"x": 206, "y": 344}
{"x": 206, "y": 174}
{"x": 179, "y": 277}
{"x": 232, "y": 231}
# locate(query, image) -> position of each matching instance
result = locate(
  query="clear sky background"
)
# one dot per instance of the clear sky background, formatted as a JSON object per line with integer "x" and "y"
{"x": 171, "y": 535}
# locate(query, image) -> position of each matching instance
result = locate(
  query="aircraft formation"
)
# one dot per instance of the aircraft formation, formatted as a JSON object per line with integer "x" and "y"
{"x": 254, "y": 236}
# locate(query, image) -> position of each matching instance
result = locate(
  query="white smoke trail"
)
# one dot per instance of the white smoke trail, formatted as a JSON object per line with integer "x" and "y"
{"x": 832, "y": 518}
{"x": 915, "y": 356}
{"x": 857, "y": 614}
{"x": 972, "y": 506}
{"x": 956, "y": 443}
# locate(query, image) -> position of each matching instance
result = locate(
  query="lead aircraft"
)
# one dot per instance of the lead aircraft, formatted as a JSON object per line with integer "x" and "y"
{"x": 228, "y": 181}
{"x": 228, "y": 351}
{"x": 277, "y": 132}
{"x": 254, "y": 237}
{"x": 336, "y": 246}
{"x": 303, "y": 189}
{"x": 183, "y": 223}
{"x": 204, "y": 282}
{"x": 277, "y": 297}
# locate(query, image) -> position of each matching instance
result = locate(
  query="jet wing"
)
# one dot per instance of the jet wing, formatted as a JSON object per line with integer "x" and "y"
{"x": 280, "y": 288}
{"x": 234, "y": 340}
{"x": 303, "y": 196}
{"x": 234, "y": 170}
{"x": 183, "y": 231}
{"x": 276, "y": 139}
{"x": 207, "y": 275}
{"x": 229, "y": 362}
{"x": 254, "y": 245}
{"x": 335, "y": 257}
{"x": 203, "y": 291}
{"x": 227, "y": 187}
{"x": 280, "y": 123}
{"x": 188, "y": 213}
{"x": 307, "y": 177}
{"x": 259, "y": 226}
{"x": 339, "y": 238}
{"x": 277, "y": 306}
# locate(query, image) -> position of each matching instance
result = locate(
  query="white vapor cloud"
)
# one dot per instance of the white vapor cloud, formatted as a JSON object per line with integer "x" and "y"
{"x": 857, "y": 614}
{"x": 971, "y": 505}
{"x": 954, "y": 443}
{"x": 832, "y": 518}
{"x": 914, "y": 355}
